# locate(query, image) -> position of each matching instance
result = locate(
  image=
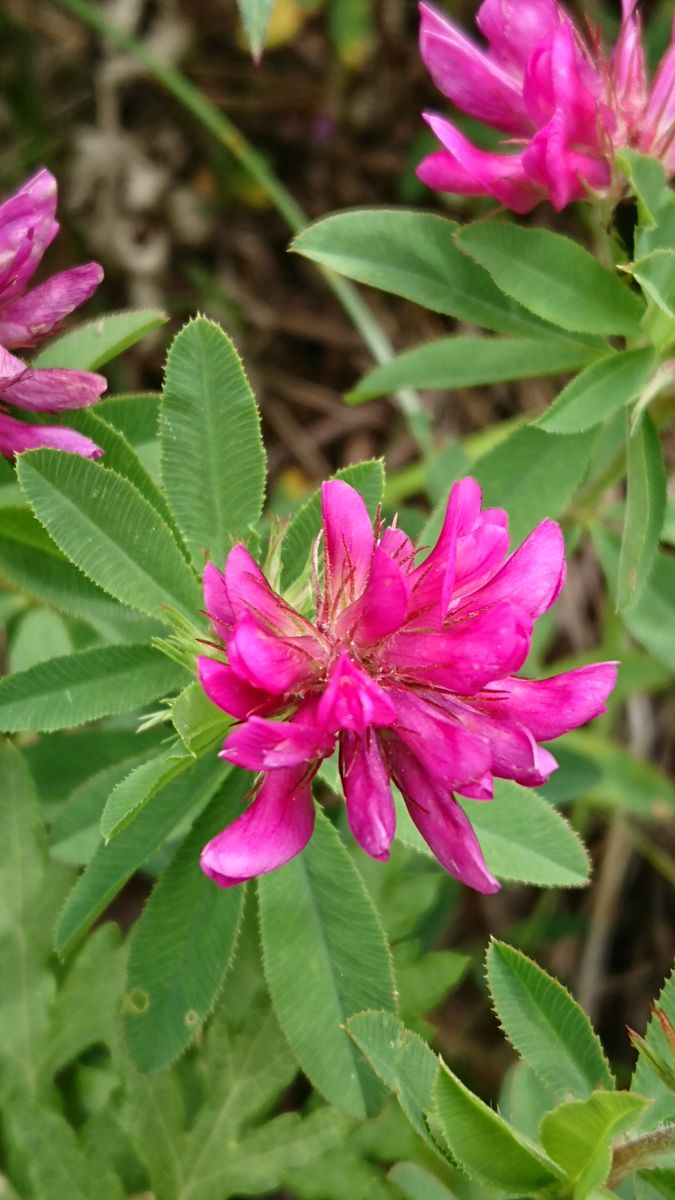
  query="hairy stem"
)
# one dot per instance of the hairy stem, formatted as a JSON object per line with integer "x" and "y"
{"x": 641, "y": 1153}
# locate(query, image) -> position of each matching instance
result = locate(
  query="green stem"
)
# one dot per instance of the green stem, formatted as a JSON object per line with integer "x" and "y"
{"x": 641, "y": 1153}
{"x": 222, "y": 128}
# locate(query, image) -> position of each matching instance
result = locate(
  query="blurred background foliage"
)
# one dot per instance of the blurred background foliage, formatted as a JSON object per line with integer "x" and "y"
{"x": 178, "y": 221}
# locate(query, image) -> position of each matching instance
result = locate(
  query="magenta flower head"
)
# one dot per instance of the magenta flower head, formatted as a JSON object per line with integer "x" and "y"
{"x": 564, "y": 106}
{"x": 407, "y": 667}
{"x": 27, "y": 227}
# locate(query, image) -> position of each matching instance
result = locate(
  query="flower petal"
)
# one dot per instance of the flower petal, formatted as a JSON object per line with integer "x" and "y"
{"x": 261, "y": 745}
{"x": 515, "y": 27}
{"x": 474, "y": 82}
{"x": 277, "y": 665}
{"x": 560, "y": 76}
{"x": 448, "y": 751}
{"x": 34, "y": 315}
{"x": 503, "y": 176}
{"x": 49, "y": 390}
{"x": 564, "y": 92}
{"x": 480, "y": 552}
{"x": 217, "y": 601}
{"x": 532, "y": 577}
{"x": 273, "y": 830}
{"x": 27, "y": 227}
{"x": 433, "y": 580}
{"x": 551, "y": 707}
{"x": 398, "y": 546}
{"x": 628, "y": 67}
{"x": 383, "y": 606}
{"x": 482, "y": 789}
{"x": 467, "y": 653}
{"x": 442, "y": 172}
{"x": 250, "y": 594}
{"x": 365, "y": 779}
{"x": 353, "y": 700}
{"x": 16, "y": 436}
{"x": 659, "y": 114}
{"x": 228, "y": 691}
{"x": 514, "y": 754}
{"x": 441, "y": 821}
{"x": 554, "y": 161}
{"x": 348, "y": 543}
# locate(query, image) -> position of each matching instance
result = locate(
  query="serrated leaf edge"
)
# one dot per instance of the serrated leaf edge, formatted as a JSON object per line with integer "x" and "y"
{"x": 110, "y": 471}
{"x": 341, "y": 1025}
{"x": 201, "y": 320}
{"x": 497, "y": 943}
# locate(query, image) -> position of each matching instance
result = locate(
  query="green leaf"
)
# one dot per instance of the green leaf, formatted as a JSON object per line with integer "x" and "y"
{"x": 668, "y": 533}
{"x": 553, "y": 277}
{"x": 404, "y": 1063}
{"x": 665, "y": 1070}
{"x": 646, "y": 1082}
{"x": 426, "y": 977}
{"x": 256, "y": 15}
{"x": 33, "y": 563}
{"x": 116, "y": 862}
{"x": 60, "y": 762}
{"x": 648, "y": 179}
{"x": 600, "y": 390}
{"x": 343, "y": 1173}
{"x": 86, "y": 1007}
{"x": 578, "y": 1136}
{"x": 661, "y": 1180}
{"x": 655, "y": 272}
{"x": 52, "y": 1158}
{"x": 316, "y": 909}
{"x": 84, "y": 686}
{"x": 120, "y": 457}
{"x": 76, "y": 832}
{"x": 418, "y": 1184}
{"x": 532, "y": 476}
{"x": 259, "y": 1161}
{"x": 645, "y": 510}
{"x": 40, "y": 635}
{"x": 366, "y": 477}
{"x": 484, "y": 1145}
{"x": 522, "y": 837}
{"x": 156, "y": 1128}
{"x": 413, "y": 254}
{"x": 463, "y": 361}
{"x": 626, "y": 782}
{"x": 135, "y": 415}
{"x": 653, "y": 251}
{"x": 523, "y": 1099}
{"x": 26, "y": 988}
{"x": 213, "y": 462}
{"x": 91, "y": 345}
{"x": 182, "y": 946}
{"x": 199, "y": 723}
{"x": 130, "y": 796}
{"x": 246, "y": 1066}
{"x": 545, "y": 1024}
{"x": 651, "y": 620}
{"x": 103, "y": 524}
